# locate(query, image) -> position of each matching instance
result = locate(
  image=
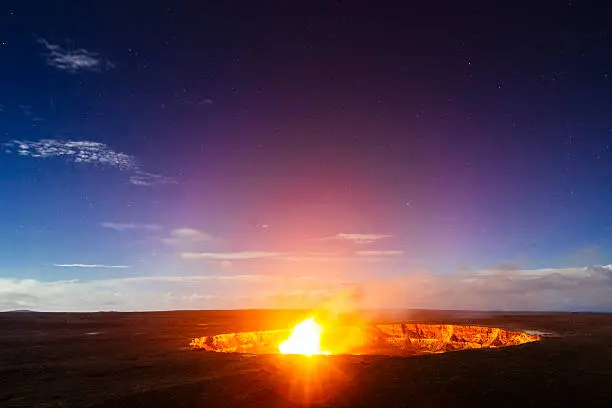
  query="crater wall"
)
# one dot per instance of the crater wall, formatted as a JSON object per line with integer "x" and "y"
{"x": 393, "y": 339}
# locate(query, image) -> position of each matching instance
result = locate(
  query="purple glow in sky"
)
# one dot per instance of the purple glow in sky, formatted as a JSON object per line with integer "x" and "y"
{"x": 290, "y": 155}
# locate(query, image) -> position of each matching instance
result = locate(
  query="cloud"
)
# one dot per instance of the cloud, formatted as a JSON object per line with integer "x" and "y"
{"x": 74, "y": 60}
{"x": 120, "y": 226}
{"x": 196, "y": 278}
{"x": 288, "y": 256}
{"x": 311, "y": 256}
{"x": 388, "y": 252}
{"x": 91, "y": 266}
{"x": 536, "y": 289}
{"x": 74, "y": 151}
{"x": 135, "y": 293}
{"x": 185, "y": 237}
{"x": 232, "y": 256}
{"x": 143, "y": 178}
{"x": 87, "y": 152}
{"x": 358, "y": 238}
{"x": 566, "y": 289}
{"x": 515, "y": 272}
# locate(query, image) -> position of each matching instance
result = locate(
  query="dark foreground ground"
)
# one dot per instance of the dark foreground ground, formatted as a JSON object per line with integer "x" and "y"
{"x": 141, "y": 360}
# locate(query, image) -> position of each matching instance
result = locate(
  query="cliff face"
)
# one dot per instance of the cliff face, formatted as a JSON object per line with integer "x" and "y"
{"x": 259, "y": 342}
{"x": 394, "y": 339}
{"x": 423, "y": 338}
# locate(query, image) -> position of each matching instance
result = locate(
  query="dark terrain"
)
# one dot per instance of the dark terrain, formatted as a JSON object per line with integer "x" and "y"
{"x": 143, "y": 360}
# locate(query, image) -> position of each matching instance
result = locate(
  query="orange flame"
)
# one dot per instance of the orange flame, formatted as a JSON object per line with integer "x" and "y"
{"x": 305, "y": 339}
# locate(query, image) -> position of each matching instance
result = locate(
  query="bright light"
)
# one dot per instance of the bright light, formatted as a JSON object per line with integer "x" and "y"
{"x": 305, "y": 339}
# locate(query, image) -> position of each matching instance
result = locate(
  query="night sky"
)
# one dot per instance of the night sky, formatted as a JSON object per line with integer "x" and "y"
{"x": 190, "y": 155}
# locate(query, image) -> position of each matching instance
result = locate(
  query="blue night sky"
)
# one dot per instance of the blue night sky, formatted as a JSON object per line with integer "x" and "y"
{"x": 228, "y": 155}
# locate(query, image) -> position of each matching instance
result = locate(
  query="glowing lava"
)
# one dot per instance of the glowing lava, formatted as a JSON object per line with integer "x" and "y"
{"x": 305, "y": 339}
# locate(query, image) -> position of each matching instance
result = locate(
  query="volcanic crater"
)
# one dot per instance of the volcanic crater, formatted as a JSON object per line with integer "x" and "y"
{"x": 406, "y": 339}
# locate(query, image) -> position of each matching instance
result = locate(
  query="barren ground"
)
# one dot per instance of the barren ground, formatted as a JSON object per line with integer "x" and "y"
{"x": 142, "y": 360}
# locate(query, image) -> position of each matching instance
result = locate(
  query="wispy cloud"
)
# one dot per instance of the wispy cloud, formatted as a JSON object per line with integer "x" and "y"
{"x": 232, "y": 256}
{"x": 88, "y": 152}
{"x": 194, "y": 278}
{"x": 311, "y": 256}
{"x": 74, "y": 151}
{"x": 143, "y": 178}
{"x": 380, "y": 253}
{"x": 184, "y": 237}
{"x": 73, "y": 60}
{"x": 91, "y": 266}
{"x": 121, "y": 226}
{"x": 289, "y": 256}
{"x": 534, "y": 273}
{"x": 358, "y": 238}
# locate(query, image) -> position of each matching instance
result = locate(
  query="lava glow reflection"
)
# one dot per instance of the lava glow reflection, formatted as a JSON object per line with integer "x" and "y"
{"x": 305, "y": 339}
